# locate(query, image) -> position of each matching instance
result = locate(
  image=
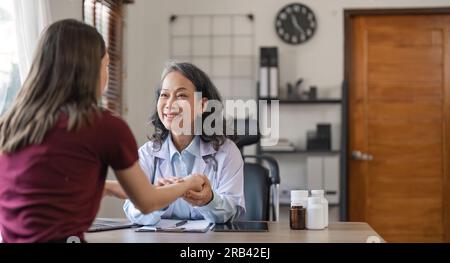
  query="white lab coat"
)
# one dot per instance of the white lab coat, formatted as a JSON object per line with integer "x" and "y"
{"x": 227, "y": 182}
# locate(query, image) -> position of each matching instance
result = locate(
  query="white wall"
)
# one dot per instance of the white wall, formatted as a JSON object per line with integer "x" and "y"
{"x": 66, "y": 9}
{"x": 319, "y": 61}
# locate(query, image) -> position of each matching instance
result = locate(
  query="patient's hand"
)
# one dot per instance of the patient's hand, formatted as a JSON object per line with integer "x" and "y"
{"x": 168, "y": 180}
{"x": 202, "y": 196}
{"x": 196, "y": 181}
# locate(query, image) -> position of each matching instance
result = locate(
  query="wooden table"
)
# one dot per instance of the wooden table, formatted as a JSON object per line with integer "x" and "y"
{"x": 279, "y": 232}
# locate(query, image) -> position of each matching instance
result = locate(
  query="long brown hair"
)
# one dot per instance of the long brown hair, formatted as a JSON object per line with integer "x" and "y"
{"x": 64, "y": 76}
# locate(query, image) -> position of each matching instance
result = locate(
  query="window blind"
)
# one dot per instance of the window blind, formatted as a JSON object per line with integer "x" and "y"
{"x": 107, "y": 16}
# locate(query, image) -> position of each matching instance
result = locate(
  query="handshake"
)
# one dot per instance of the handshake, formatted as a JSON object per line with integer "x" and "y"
{"x": 201, "y": 192}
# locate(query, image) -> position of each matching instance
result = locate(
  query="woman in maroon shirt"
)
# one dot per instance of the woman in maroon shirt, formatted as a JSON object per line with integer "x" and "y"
{"x": 56, "y": 144}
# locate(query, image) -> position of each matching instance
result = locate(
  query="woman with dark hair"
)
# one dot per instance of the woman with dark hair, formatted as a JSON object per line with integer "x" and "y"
{"x": 56, "y": 144}
{"x": 182, "y": 144}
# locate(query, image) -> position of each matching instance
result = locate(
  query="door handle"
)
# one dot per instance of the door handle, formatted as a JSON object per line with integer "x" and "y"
{"x": 360, "y": 156}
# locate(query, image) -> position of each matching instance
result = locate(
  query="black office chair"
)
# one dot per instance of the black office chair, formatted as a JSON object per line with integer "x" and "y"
{"x": 256, "y": 192}
{"x": 261, "y": 185}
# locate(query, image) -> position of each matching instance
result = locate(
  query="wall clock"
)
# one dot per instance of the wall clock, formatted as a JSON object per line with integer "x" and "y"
{"x": 295, "y": 23}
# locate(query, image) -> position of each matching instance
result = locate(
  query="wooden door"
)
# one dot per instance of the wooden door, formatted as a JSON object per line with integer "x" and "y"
{"x": 399, "y": 76}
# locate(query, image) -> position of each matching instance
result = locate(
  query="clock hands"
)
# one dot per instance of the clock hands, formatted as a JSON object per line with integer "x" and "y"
{"x": 296, "y": 25}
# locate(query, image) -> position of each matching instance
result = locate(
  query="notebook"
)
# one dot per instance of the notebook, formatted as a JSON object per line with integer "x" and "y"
{"x": 174, "y": 225}
{"x": 104, "y": 224}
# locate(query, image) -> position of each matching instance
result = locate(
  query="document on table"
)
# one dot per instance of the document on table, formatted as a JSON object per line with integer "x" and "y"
{"x": 175, "y": 225}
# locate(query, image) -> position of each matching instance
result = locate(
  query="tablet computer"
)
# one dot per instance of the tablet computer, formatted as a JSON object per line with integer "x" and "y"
{"x": 242, "y": 227}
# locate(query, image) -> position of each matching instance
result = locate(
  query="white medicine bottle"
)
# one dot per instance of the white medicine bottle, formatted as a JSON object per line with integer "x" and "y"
{"x": 314, "y": 214}
{"x": 321, "y": 195}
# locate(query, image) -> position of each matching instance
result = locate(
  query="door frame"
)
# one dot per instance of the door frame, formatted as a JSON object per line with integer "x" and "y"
{"x": 349, "y": 14}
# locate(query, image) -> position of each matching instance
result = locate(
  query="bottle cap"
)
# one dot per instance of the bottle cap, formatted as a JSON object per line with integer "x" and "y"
{"x": 298, "y": 195}
{"x": 317, "y": 192}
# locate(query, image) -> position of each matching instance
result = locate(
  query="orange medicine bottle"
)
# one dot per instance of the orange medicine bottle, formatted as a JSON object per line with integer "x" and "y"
{"x": 297, "y": 213}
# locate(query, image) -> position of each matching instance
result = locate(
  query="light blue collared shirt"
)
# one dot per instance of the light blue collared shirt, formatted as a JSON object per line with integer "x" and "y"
{"x": 226, "y": 180}
{"x": 182, "y": 164}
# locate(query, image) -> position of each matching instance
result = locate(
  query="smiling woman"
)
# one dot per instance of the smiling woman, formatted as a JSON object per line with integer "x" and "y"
{"x": 185, "y": 96}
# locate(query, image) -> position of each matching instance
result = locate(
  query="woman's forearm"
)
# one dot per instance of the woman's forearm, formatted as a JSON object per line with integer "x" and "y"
{"x": 148, "y": 198}
{"x": 163, "y": 196}
{"x": 113, "y": 188}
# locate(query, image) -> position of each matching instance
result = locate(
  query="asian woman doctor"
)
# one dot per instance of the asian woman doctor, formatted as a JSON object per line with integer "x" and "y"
{"x": 176, "y": 150}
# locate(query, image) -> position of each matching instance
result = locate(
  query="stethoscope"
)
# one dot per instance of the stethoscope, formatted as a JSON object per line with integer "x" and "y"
{"x": 209, "y": 160}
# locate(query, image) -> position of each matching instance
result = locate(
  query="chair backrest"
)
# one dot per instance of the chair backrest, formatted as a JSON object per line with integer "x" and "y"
{"x": 261, "y": 186}
{"x": 246, "y": 139}
{"x": 257, "y": 193}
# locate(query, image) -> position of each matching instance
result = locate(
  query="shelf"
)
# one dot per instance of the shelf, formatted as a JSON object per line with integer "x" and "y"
{"x": 302, "y": 152}
{"x": 297, "y": 101}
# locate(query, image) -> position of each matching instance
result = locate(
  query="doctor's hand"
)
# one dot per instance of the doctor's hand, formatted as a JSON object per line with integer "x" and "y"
{"x": 201, "y": 197}
{"x": 196, "y": 182}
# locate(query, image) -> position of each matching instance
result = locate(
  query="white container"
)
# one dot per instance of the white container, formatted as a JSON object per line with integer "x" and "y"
{"x": 314, "y": 214}
{"x": 299, "y": 198}
{"x": 321, "y": 195}
{"x": 264, "y": 82}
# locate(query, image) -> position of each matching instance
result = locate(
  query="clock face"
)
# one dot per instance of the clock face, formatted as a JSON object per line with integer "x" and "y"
{"x": 295, "y": 23}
